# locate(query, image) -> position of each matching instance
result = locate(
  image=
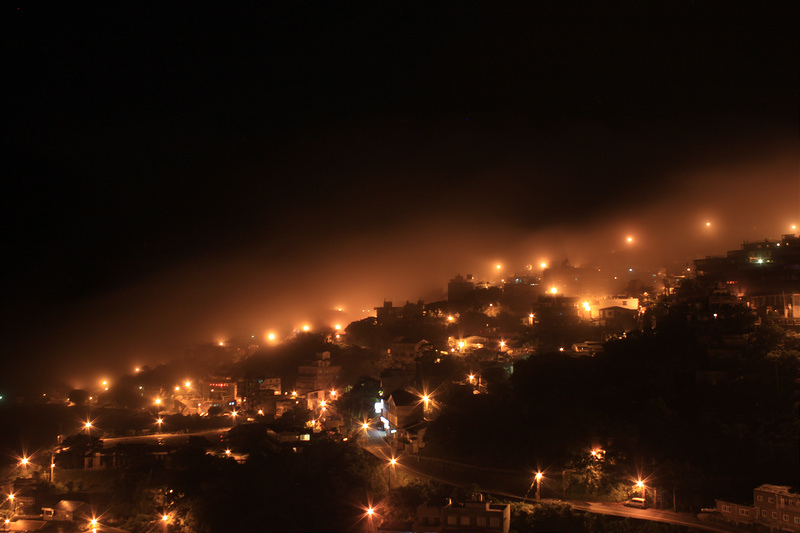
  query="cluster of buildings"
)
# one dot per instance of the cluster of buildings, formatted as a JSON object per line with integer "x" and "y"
{"x": 765, "y": 275}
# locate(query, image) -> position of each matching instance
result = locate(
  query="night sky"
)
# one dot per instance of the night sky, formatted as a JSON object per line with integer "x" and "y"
{"x": 177, "y": 174}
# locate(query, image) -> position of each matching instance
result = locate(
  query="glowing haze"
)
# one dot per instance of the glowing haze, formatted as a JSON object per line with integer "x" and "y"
{"x": 185, "y": 177}
{"x": 257, "y": 290}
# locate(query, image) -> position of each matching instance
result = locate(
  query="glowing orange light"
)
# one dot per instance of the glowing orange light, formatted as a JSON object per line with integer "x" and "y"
{"x": 629, "y": 239}
{"x": 553, "y": 290}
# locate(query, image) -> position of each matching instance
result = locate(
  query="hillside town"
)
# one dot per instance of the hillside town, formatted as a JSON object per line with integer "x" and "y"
{"x": 421, "y": 390}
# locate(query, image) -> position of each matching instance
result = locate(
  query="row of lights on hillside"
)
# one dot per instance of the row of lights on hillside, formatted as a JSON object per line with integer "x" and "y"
{"x": 271, "y": 336}
{"x": 629, "y": 239}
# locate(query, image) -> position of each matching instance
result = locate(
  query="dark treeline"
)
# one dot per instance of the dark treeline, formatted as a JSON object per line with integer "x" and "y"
{"x": 650, "y": 402}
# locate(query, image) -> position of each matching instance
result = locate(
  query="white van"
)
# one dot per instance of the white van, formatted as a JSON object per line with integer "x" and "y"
{"x": 636, "y": 502}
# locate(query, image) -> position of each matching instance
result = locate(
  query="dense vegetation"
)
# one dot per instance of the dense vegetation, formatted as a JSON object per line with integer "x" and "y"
{"x": 646, "y": 401}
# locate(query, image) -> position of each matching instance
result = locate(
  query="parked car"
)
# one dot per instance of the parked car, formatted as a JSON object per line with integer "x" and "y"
{"x": 639, "y": 503}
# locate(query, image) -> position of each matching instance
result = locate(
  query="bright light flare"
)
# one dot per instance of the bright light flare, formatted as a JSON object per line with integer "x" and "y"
{"x": 553, "y": 290}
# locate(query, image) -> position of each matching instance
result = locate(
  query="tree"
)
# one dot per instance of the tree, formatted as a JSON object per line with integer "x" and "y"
{"x": 78, "y": 397}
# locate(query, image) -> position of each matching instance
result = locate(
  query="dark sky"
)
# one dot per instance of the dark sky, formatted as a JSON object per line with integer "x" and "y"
{"x": 177, "y": 174}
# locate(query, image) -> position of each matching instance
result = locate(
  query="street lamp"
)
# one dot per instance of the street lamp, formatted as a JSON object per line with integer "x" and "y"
{"x": 640, "y": 484}
{"x": 392, "y": 464}
{"x": 539, "y": 477}
{"x": 88, "y": 427}
{"x": 159, "y": 422}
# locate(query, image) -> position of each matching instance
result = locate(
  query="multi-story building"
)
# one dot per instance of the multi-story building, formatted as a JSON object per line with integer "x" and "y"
{"x": 252, "y": 393}
{"x": 777, "y": 507}
{"x": 774, "y": 507}
{"x": 476, "y": 515}
{"x": 317, "y": 375}
{"x": 459, "y": 289}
